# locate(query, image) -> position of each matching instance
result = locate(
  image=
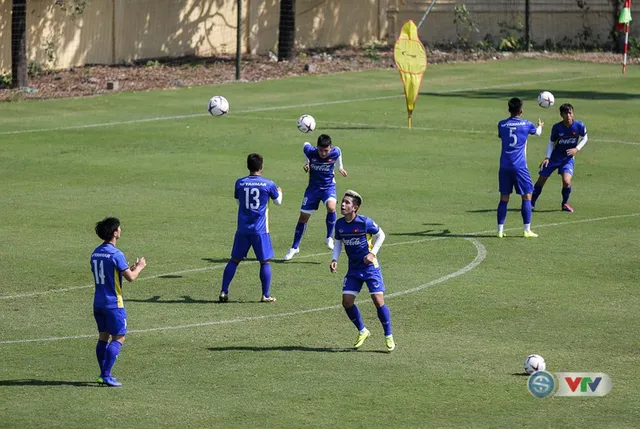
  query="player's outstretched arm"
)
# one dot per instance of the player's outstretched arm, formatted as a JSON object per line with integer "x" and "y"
{"x": 134, "y": 270}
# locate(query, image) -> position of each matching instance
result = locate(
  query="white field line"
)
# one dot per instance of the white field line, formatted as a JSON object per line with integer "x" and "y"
{"x": 481, "y": 254}
{"x": 402, "y": 243}
{"x": 293, "y": 106}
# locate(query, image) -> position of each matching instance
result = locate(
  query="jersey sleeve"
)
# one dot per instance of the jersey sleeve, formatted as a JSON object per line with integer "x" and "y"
{"x": 120, "y": 261}
{"x": 554, "y": 134}
{"x": 532, "y": 128}
{"x": 235, "y": 191}
{"x": 371, "y": 227}
{"x": 273, "y": 191}
{"x": 583, "y": 130}
{"x": 307, "y": 149}
{"x": 336, "y": 233}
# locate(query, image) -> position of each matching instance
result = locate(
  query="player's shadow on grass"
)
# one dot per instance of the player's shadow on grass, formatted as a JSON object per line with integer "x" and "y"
{"x": 34, "y": 382}
{"x": 185, "y": 300}
{"x": 520, "y": 374}
{"x": 438, "y": 233}
{"x": 510, "y": 210}
{"x": 274, "y": 260}
{"x": 292, "y": 349}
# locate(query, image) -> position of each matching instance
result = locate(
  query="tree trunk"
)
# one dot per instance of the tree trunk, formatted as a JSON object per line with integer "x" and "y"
{"x": 19, "y": 43}
{"x": 287, "y": 30}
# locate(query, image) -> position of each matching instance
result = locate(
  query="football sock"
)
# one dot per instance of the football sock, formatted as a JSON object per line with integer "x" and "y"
{"x": 354, "y": 315}
{"x": 331, "y": 222}
{"x": 385, "y": 318}
{"x": 565, "y": 194}
{"x": 265, "y": 278}
{"x": 297, "y": 237}
{"x": 101, "y": 349}
{"x": 110, "y": 358}
{"x": 526, "y": 212}
{"x": 227, "y": 276}
{"x": 502, "y": 212}
{"x": 537, "y": 190}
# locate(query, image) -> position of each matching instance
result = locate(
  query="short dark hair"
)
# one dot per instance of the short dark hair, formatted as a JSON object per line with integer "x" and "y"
{"x": 324, "y": 140}
{"x": 107, "y": 227}
{"x": 515, "y": 106}
{"x": 565, "y": 108}
{"x": 254, "y": 162}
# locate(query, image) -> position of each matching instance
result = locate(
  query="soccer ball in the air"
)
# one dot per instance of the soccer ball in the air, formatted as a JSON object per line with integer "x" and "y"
{"x": 546, "y": 99}
{"x": 218, "y": 105}
{"x": 534, "y": 363}
{"x": 306, "y": 123}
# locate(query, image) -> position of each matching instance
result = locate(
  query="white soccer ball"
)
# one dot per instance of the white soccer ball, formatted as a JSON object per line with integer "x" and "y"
{"x": 218, "y": 105}
{"x": 546, "y": 99}
{"x": 306, "y": 123}
{"x": 534, "y": 363}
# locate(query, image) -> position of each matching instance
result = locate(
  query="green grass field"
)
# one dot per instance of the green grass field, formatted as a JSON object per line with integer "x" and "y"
{"x": 467, "y": 308}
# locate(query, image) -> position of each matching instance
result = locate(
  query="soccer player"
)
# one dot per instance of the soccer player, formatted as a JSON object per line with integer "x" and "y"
{"x": 355, "y": 232}
{"x": 321, "y": 162}
{"x": 252, "y": 194}
{"x": 109, "y": 266}
{"x": 568, "y": 137}
{"x": 514, "y": 173}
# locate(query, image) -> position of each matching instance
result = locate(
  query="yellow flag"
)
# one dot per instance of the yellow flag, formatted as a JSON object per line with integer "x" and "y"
{"x": 411, "y": 60}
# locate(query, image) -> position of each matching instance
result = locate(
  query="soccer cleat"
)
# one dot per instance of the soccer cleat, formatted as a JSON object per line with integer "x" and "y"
{"x": 391, "y": 345}
{"x": 529, "y": 234}
{"x": 268, "y": 299}
{"x": 291, "y": 253}
{"x": 111, "y": 382}
{"x": 567, "y": 208}
{"x": 329, "y": 242}
{"x": 362, "y": 336}
{"x": 224, "y": 297}
{"x": 501, "y": 235}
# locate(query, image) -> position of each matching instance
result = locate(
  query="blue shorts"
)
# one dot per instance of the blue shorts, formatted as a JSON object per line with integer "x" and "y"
{"x": 563, "y": 166}
{"x": 312, "y": 198}
{"x": 111, "y": 320}
{"x": 355, "y": 278}
{"x": 261, "y": 244}
{"x": 519, "y": 178}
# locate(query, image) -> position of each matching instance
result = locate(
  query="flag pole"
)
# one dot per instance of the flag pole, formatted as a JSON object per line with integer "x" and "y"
{"x": 626, "y": 49}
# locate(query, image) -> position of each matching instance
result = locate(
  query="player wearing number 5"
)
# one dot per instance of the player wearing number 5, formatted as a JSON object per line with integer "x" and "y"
{"x": 252, "y": 194}
{"x": 109, "y": 266}
{"x": 514, "y": 173}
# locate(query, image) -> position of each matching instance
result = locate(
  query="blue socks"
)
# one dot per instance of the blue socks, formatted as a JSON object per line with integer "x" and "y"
{"x": 297, "y": 237}
{"x": 110, "y": 357}
{"x": 331, "y": 222}
{"x": 227, "y": 276}
{"x": 265, "y": 278}
{"x": 526, "y": 211}
{"x": 101, "y": 349}
{"x": 354, "y": 315}
{"x": 502, "y": 212}
{"x": 385, "y": 318}
{"x": 565, "y": 194}
{"x": 537, "y": 190}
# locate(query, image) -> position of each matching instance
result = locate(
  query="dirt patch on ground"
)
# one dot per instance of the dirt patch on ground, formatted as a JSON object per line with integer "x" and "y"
{"x": 174, "y": 73}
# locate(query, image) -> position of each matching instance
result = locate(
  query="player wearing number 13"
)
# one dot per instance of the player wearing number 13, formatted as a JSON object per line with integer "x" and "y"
{"x": 514, "y": 173}
{"x": 252, "y": 193}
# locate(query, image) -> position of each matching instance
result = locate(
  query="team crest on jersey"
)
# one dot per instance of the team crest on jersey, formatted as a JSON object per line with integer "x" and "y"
{"x": 356, "y": 230}
{"x": 329, "y": 159}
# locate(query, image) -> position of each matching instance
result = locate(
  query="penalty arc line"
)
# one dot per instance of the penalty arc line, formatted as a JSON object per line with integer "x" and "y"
{"x": 293, "y": 106}
{"x": 481, "y": 254}
{"x": 195, "y": 270}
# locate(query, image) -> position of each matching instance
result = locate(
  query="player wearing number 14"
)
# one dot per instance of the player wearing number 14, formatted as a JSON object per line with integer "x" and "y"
{"x": 514, "y": 173}
{"x": 252, "y": 193}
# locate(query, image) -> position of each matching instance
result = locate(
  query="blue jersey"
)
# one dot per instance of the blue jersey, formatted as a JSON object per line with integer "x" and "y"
{"x": 253, "y": 193}
{"x": 514, "y": 133}
{"x": 321, "y": 174}
{"x": 107, "y": 264}
{"x": 356, "y": 239}
{"x": 565, "y": 138}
